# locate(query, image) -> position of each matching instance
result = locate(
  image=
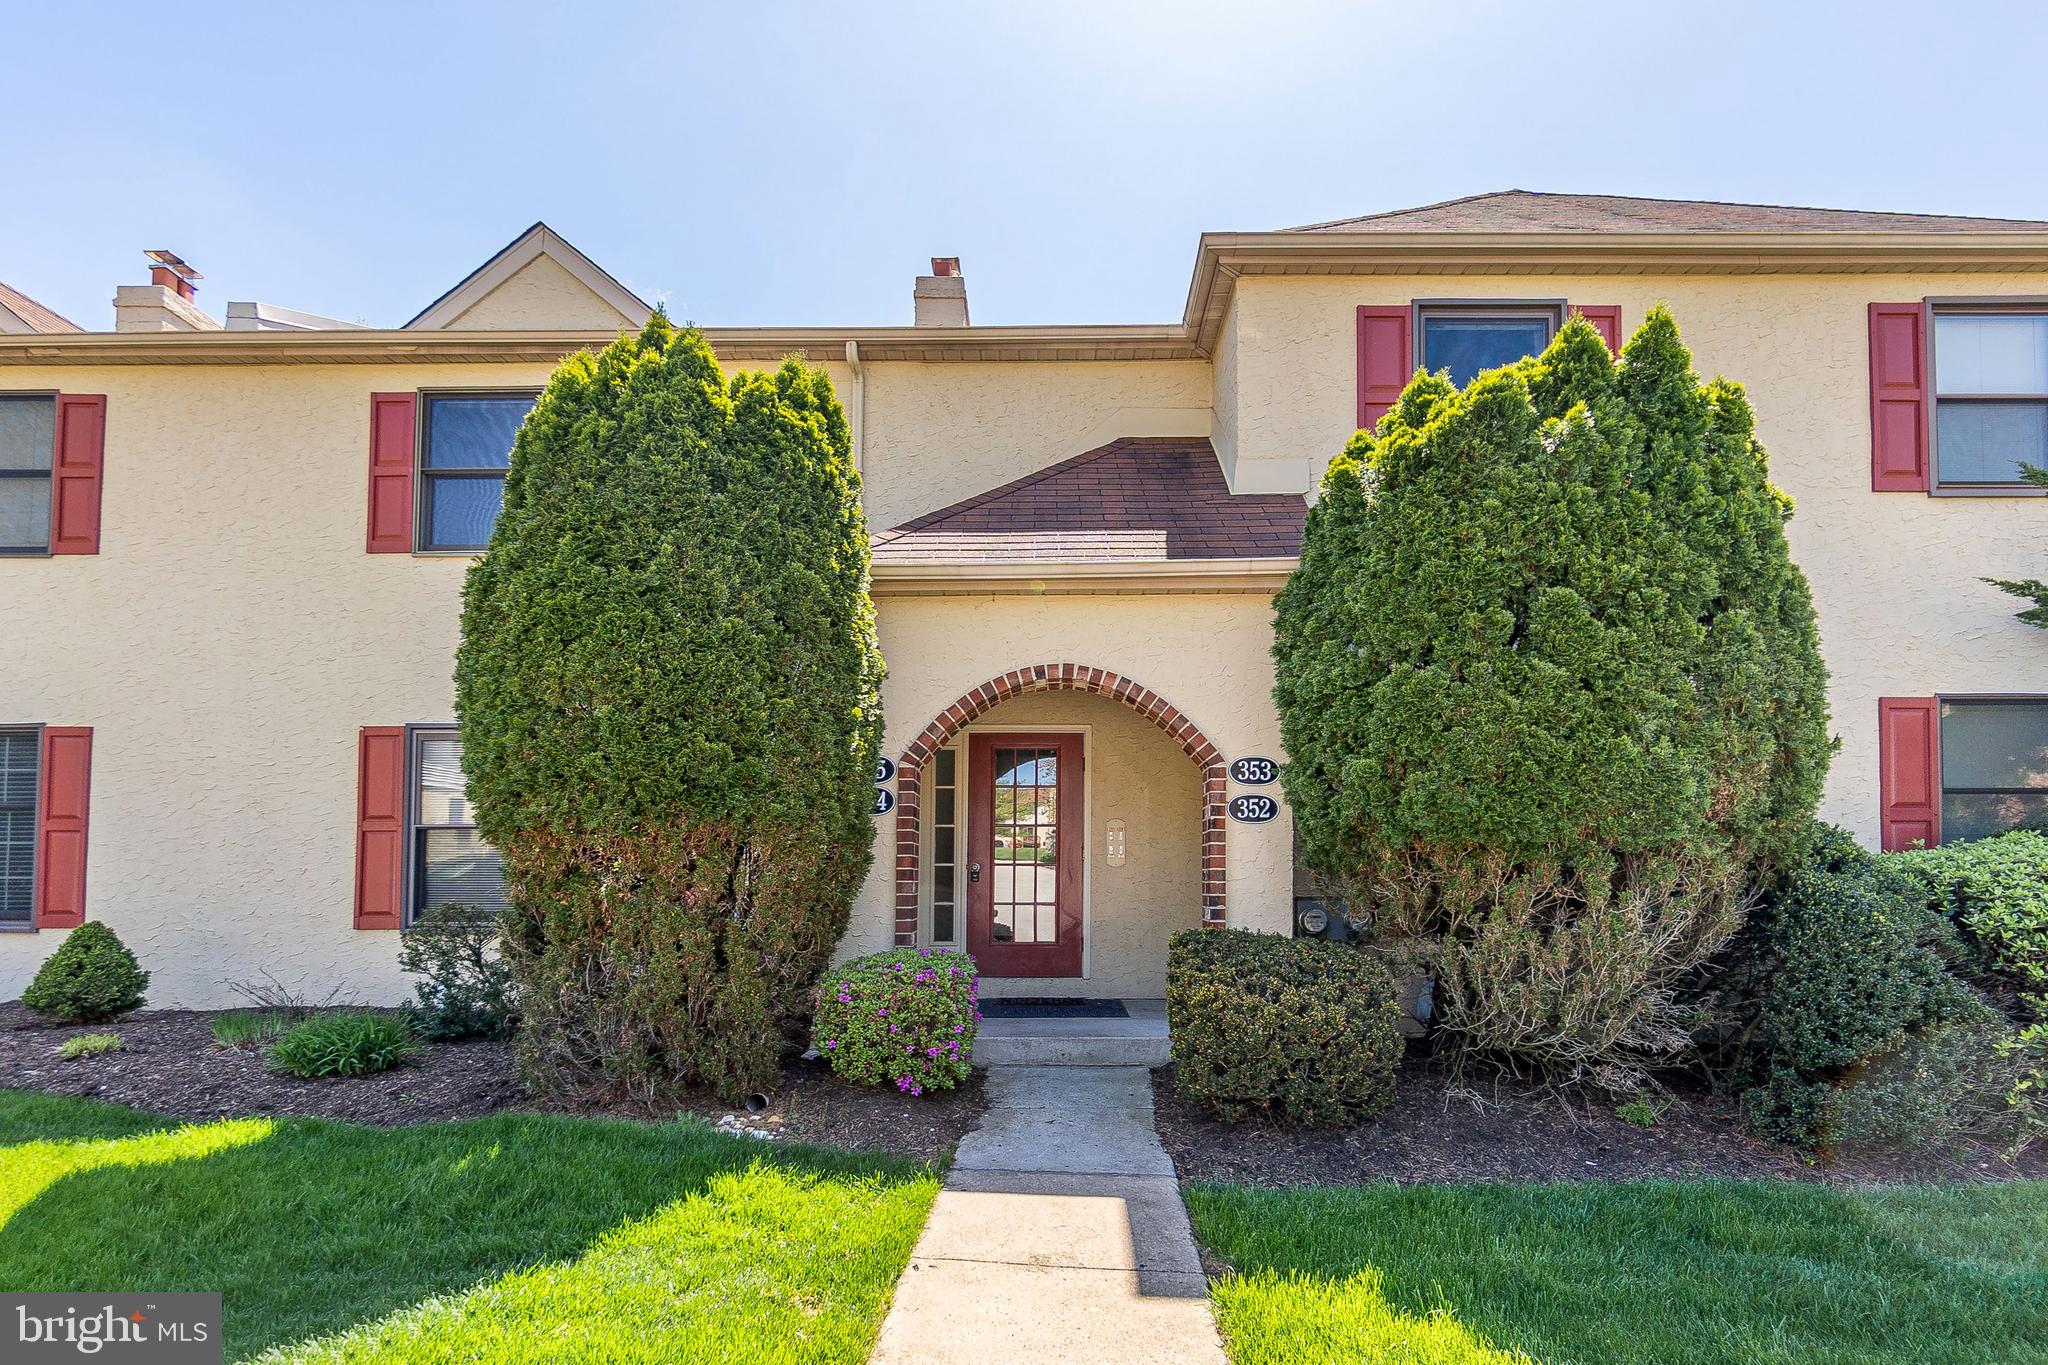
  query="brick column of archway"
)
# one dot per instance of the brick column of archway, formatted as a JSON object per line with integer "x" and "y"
{"x": 1052, "y": 678}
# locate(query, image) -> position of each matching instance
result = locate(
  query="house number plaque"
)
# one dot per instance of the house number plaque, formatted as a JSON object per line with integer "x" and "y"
{"x": 1253, "y": 808}
{"x": 1253, "y": 772}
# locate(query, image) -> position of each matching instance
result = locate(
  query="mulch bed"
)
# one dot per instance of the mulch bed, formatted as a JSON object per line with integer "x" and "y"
{"x": 169, "y": 1064}
{"x": 1437, "y": 1133}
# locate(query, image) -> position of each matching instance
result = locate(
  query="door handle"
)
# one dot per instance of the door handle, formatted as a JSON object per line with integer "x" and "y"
{"x": 974, "y": 872}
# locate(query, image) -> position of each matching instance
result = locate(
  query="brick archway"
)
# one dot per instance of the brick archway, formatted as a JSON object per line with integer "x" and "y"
{"x": 1052, "y": 678}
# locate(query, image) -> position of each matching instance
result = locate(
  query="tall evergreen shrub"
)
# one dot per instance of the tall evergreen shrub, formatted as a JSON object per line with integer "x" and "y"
{"x": 669, "y": 692}
{"x": 1551, "y": 691}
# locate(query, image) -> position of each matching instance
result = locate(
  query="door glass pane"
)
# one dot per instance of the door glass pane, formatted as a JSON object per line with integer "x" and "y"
{"x": 461, "y": 512}
{"x": 24, "y": 514}
{"x": 459, "y": 868}
{"x": 474, "y": 433}
{"x": 1986, "y": 442}
{"x": 1025, "y": 894}
{"x": 1467, "y": 345}
{"x": 444, "y": 798}
{"x": 1990, "y": 353}
{"x": 28, "y": 432}
{"x": 1994, "y": 744}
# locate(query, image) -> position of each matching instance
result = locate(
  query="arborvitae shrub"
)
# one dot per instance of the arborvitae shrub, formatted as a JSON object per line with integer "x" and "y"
{"x": 1551, "y": 692}
{"x": 669, "y": 692}
{"x": 1296, "y": 1029}
{"x": 91, "y": 977}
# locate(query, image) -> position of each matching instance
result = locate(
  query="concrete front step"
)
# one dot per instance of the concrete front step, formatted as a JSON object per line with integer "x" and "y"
{"x": 1139, "y": 1040}
{"x": 1044, "y": 1050}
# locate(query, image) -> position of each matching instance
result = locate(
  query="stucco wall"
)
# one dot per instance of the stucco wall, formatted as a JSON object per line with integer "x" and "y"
{"x": 540, "y": 294}
{"x": 1135, "y": 773}
{"x": 940, "y": 432}
{"x": 1895, "y": 575}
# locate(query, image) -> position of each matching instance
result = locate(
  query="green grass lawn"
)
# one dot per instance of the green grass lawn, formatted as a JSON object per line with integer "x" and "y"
{"x": 1656, "y": 1272}
{"x": 510, "y": 1238}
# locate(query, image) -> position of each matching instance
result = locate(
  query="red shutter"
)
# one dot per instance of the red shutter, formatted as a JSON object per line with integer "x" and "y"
{"x": 380, "y": 827}
{"x": 75, "y": 487}
{"x": 1909, "y": 771}
{"x": 60, "y": 826}
{"x": 1606, "y": 320}
{"x": 1386, "y": 360}
{"x": 1898, "y": 398}
{"x": 391, "y": 452}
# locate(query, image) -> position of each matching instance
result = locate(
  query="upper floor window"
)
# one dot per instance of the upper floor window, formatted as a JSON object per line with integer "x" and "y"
{"x": 28, "y": 445}
{"x": 451, "y": 864}
{"x": 465, "y": 449}
{"x": 1466, "y": 339}
{"x": 1990, "y": 395}
{"x": 1994, "y": 766}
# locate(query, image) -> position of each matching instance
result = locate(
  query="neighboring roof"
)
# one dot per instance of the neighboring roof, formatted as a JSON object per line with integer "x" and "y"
{"x": 1538, "y": 211}
{"x": 20, "y": 313}
{"x": 540, "y": 261}
{"x": 1137, "y": 499}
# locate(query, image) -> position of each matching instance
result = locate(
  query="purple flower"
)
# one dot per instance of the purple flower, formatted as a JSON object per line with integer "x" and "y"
{"x": 884, "y": 1010}
{"x": 931, "y": 1052}
{"x": 959, "y": 1028}
{"x": 831, "y": 1043}
{"x": 894, "y": 1029}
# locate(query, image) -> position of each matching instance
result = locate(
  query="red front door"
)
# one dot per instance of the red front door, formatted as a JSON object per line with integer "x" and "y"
{"x": 1024, "y": 854}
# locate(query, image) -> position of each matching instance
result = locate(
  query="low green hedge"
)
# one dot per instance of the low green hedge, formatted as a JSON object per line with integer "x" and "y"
{"x": 906, "y": 1018}
{"x": 1996, "y": 892}
{"x": 1300, "y": 1030}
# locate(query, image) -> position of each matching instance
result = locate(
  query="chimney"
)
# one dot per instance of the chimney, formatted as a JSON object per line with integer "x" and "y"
{"x": 940, "y": 299}
{"x": 165, "y": 303}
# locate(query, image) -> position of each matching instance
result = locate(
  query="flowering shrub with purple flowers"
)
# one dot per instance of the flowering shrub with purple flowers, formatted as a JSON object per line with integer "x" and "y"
{"x": 905, "y": 1018}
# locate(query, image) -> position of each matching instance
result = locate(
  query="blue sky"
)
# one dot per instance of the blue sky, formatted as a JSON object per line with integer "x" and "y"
{"x": 798, "y": 163}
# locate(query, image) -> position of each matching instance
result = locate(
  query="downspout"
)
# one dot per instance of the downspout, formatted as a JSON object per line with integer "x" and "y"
{"x": 860, "y": 401}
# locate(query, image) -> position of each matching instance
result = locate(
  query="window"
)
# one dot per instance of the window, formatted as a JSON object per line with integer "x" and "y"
{"x": 945, "y": 856}
{"x": 1990, "y": 396}
{"x": 18, "y": 773}
{"x": 28, "y": 445}
{"x": 463, "y": 457}
{"x": 1468, "y": 338}
{"x": 451, "y": 865}
{"x": 1994, "y": 766}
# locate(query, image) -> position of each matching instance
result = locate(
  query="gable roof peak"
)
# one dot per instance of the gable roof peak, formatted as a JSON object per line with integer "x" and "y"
{"x": 21, "y": 314}
{"x": 522, "y": 251}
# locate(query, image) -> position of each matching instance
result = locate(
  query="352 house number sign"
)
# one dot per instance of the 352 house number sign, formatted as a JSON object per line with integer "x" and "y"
{"x": 1253, "y": 772}
{"x": 1254, "y": 808}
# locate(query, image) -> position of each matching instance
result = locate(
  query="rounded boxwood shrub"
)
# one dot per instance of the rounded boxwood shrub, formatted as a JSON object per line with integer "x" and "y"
{"x": 91, "y": 977}
{"x": 669, "y": 689}
{"x": 1996, "y": 892}
{"x": 906, "y": 1018}
{"x": 346, "y": 1043}
{"x": 1551, "y": 692}
{"x": 1297, "y": 1029}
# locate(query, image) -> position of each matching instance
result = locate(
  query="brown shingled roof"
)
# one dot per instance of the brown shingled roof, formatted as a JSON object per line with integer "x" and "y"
{"x": 1150, "y": 498}
{"x": 1535, "y": 211}
{"x": 37, "y": 317}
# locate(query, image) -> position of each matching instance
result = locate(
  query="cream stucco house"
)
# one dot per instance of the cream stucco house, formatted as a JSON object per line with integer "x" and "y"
{"x": 234, "y": 551}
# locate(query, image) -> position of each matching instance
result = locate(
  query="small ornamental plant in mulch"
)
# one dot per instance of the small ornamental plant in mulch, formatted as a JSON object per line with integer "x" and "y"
{"x": 345, "y": 1043}
{"x": 905, "y": 1018}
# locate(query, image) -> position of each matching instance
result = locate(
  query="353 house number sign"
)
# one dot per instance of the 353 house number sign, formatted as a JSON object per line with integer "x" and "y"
{"x": 1253, "y": 772}
{"x": 1254, "y": 808}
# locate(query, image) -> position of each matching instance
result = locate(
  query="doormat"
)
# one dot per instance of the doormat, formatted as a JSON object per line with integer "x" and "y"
{"x": 1027, "y": 1008}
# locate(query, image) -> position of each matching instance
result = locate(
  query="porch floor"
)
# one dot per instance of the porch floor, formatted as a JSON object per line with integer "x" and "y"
{"x": 1139, "y": 1040}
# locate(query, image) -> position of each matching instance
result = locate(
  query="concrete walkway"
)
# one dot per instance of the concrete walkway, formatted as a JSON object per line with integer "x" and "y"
{"x": 1059, "y": 1236}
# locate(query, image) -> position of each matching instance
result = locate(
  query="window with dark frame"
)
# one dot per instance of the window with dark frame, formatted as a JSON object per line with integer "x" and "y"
{"x": 1467, "y": 339}
{"x": 1994, "y": 766}
{"x": 20, "y": 757}
{"x": 451, "y": 864}
{"x": 465, "y": 449}
{"x": 1990, "y": 395}
{"x": 28, "y": 451}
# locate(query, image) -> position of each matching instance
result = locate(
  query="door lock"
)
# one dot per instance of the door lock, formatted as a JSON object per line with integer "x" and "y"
{"x": 974, "y": 872}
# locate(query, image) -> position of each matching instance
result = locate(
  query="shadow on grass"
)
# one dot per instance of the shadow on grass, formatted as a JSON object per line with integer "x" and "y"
{"x": 508, "y": 1237}
{"x": 1651, "y": 1272}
